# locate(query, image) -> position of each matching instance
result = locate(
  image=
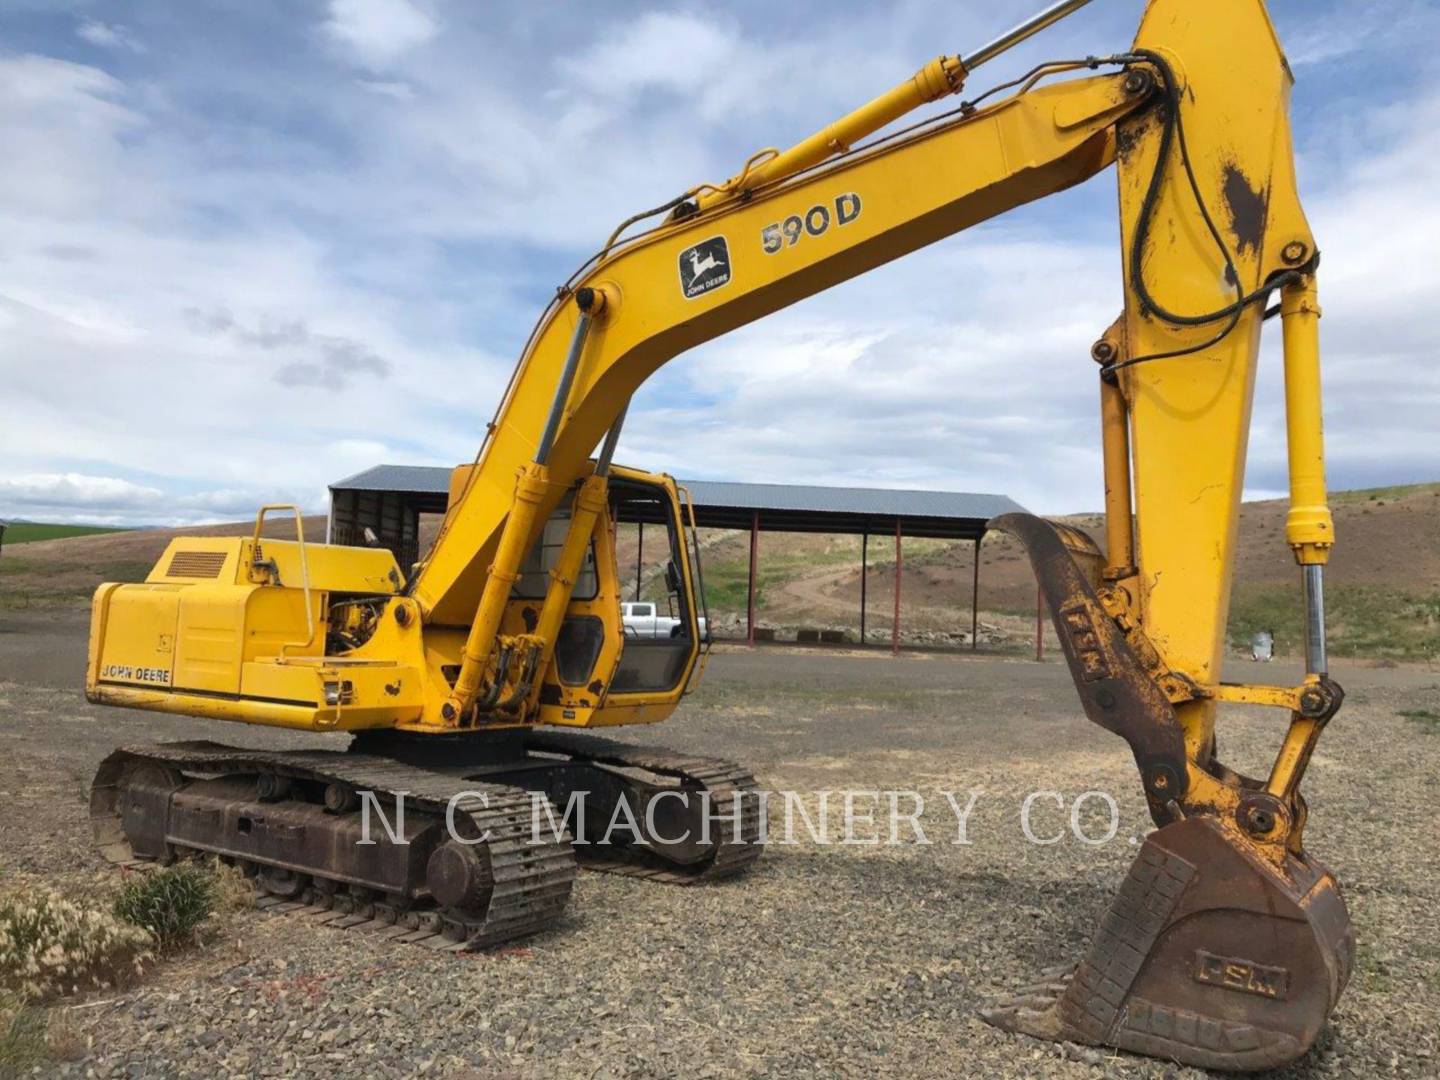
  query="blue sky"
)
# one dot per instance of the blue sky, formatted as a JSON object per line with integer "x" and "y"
{"x": 248, "y": 248}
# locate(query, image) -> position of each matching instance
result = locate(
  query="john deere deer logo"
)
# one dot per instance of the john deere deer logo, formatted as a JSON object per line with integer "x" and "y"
{"x": 698, "y": 265}
{"x": 704, "y": 267}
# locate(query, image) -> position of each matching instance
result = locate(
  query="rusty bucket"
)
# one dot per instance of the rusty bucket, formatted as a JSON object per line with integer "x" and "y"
{"x": 1210, "y": 955}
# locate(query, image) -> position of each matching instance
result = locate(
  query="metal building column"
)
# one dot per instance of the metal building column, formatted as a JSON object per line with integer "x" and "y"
{"x": 639, "y": 550}
{"x": 975, "y": 599}
{"x": 895, "y": 626}
{"x": 864, "y": 552}
{"x": 1039, "y": 624}
{"x": 750, "y": 587}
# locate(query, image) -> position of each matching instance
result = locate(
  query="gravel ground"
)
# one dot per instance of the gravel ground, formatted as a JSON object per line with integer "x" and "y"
{"x": 826, "y": 959}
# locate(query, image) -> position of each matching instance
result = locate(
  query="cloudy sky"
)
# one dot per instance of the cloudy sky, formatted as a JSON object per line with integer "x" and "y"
{"x": 248, "y": 248}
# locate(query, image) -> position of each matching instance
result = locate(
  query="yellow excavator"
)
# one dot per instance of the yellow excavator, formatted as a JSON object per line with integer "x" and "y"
{"x": 464, "y": 683}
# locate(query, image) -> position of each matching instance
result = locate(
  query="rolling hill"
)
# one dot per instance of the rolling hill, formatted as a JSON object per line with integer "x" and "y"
{"x": 1383, "y": 588}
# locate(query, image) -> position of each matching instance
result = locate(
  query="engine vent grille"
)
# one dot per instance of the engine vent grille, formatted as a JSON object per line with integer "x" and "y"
{"x": 196, "y": 564}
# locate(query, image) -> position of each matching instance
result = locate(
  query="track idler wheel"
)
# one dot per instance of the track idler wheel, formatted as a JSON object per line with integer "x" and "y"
{"x": 1210, "y": 955}
{"x": 459, "y": 877}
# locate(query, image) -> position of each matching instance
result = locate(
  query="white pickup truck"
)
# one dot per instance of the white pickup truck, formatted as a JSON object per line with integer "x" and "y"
{"x": 643, "y": 620}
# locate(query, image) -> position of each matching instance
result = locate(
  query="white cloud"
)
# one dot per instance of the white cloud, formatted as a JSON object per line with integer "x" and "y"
{"x": 76, "y": 488}
{"x": 378, "y": 31}
{"x": 1359, "y": 31}
{"x": 112, "y": 500}
{"x": 108, "y": 35}
{"x": 55, "y": 115}
{"x": 395, "y": 89}
{"x": 678, "y": 52}
{"x": 715, "y": 71}
{"x": 1377, "y": 222}
{"x": 981, "y": 384}
{"x": 311, "y": 359}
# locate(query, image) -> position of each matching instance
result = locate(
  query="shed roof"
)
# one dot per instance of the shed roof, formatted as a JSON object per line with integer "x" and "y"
{"x": 777, "y": 507}
{"x": 410, "y": 479}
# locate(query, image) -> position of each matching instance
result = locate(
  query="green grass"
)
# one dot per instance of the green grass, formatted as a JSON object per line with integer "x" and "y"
{"x": 172, "y": 903}
{"x": 1427, "y": 718}
{"x": 25, "y": 583}
{"x": 799, "y": 696}
{"x": 1382, "y": 494}
{"x": 727, "y": 589}
{"x": 25, "y": 532}
{"x": 1362, "y": 621}
{"x": 24, "y": 1037}
{"x": 1373, "y": 972}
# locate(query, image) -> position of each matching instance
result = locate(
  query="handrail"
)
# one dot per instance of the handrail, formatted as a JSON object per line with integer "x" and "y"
{"x": 698, "y": 581}
{"x": 257, "y": 562}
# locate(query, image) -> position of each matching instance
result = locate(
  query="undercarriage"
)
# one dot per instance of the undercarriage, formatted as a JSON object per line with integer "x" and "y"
{"x": 454, "y": 843}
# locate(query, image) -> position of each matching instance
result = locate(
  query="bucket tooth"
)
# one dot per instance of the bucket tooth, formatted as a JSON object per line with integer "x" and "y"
{"x": 1210, "y": 955}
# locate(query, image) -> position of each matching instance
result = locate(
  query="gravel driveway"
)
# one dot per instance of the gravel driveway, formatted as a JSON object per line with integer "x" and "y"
{"x": 835, "y": 959}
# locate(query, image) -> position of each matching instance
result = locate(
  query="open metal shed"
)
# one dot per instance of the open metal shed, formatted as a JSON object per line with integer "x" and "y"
{"x": 389, "y": 499}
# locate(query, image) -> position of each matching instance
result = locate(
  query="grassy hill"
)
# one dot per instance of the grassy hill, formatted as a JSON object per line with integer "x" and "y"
{"x": 64, "y": 572}
{"x": 1382, "y": 589}
{"x": 27, "y": 532}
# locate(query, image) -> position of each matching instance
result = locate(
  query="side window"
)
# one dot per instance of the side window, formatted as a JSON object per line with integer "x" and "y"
{"x": 535, "y": 570}
{"x": 648, "y": 541}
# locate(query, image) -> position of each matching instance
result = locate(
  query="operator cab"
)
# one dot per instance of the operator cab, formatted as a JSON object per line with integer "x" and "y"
{"x": 643, "y": 616}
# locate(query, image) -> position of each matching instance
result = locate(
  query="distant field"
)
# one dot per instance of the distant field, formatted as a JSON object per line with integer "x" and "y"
{"x": 25, "y": 532}
{"x": 63, "y": 571}
{"x": 1381, "y": 494}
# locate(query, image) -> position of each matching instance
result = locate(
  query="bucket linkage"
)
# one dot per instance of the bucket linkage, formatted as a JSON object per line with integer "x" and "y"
{"x": 1227, "y": 945}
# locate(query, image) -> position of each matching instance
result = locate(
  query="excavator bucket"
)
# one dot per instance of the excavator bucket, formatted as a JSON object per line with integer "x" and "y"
{"x": 1209, "y": 956}
{"x": 1214, "y": 953}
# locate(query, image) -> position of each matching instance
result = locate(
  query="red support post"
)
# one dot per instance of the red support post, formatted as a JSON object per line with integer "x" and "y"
{"x": 1039, "y": 623}
{"x": 864, "y": 563}
{"x": 895, "y": 626}
{"x": 975, "y": 600}
{"x": 750, "y": 588}
{"x": 639, "y": 555}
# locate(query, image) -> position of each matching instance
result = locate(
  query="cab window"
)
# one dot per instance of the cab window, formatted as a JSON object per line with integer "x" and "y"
{"x": 535, "y": 570}
{"x": 648, "y": 547}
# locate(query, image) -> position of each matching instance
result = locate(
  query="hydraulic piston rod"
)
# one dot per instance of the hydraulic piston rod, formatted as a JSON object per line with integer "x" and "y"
{"x": 1012, "y": 37}
{"x": 943, "y": 76}
{"x": 1313, "y": 583}
{"x": 530, "y": 490}
{"x": 1309, "y": 527}
{"x": 585, "y": 300}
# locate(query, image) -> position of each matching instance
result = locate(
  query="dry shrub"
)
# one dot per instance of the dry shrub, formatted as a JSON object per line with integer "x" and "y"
{"x": 32, "y": 1037}
{"x": 22, "y": 1036}
{"x": 63, "y": 1038}
{"x": 233, "y": 890}
{"x": 50, "y": 945}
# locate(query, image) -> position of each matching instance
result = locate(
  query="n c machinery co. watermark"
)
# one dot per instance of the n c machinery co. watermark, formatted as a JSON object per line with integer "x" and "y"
{"x": 864, "y": 817}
